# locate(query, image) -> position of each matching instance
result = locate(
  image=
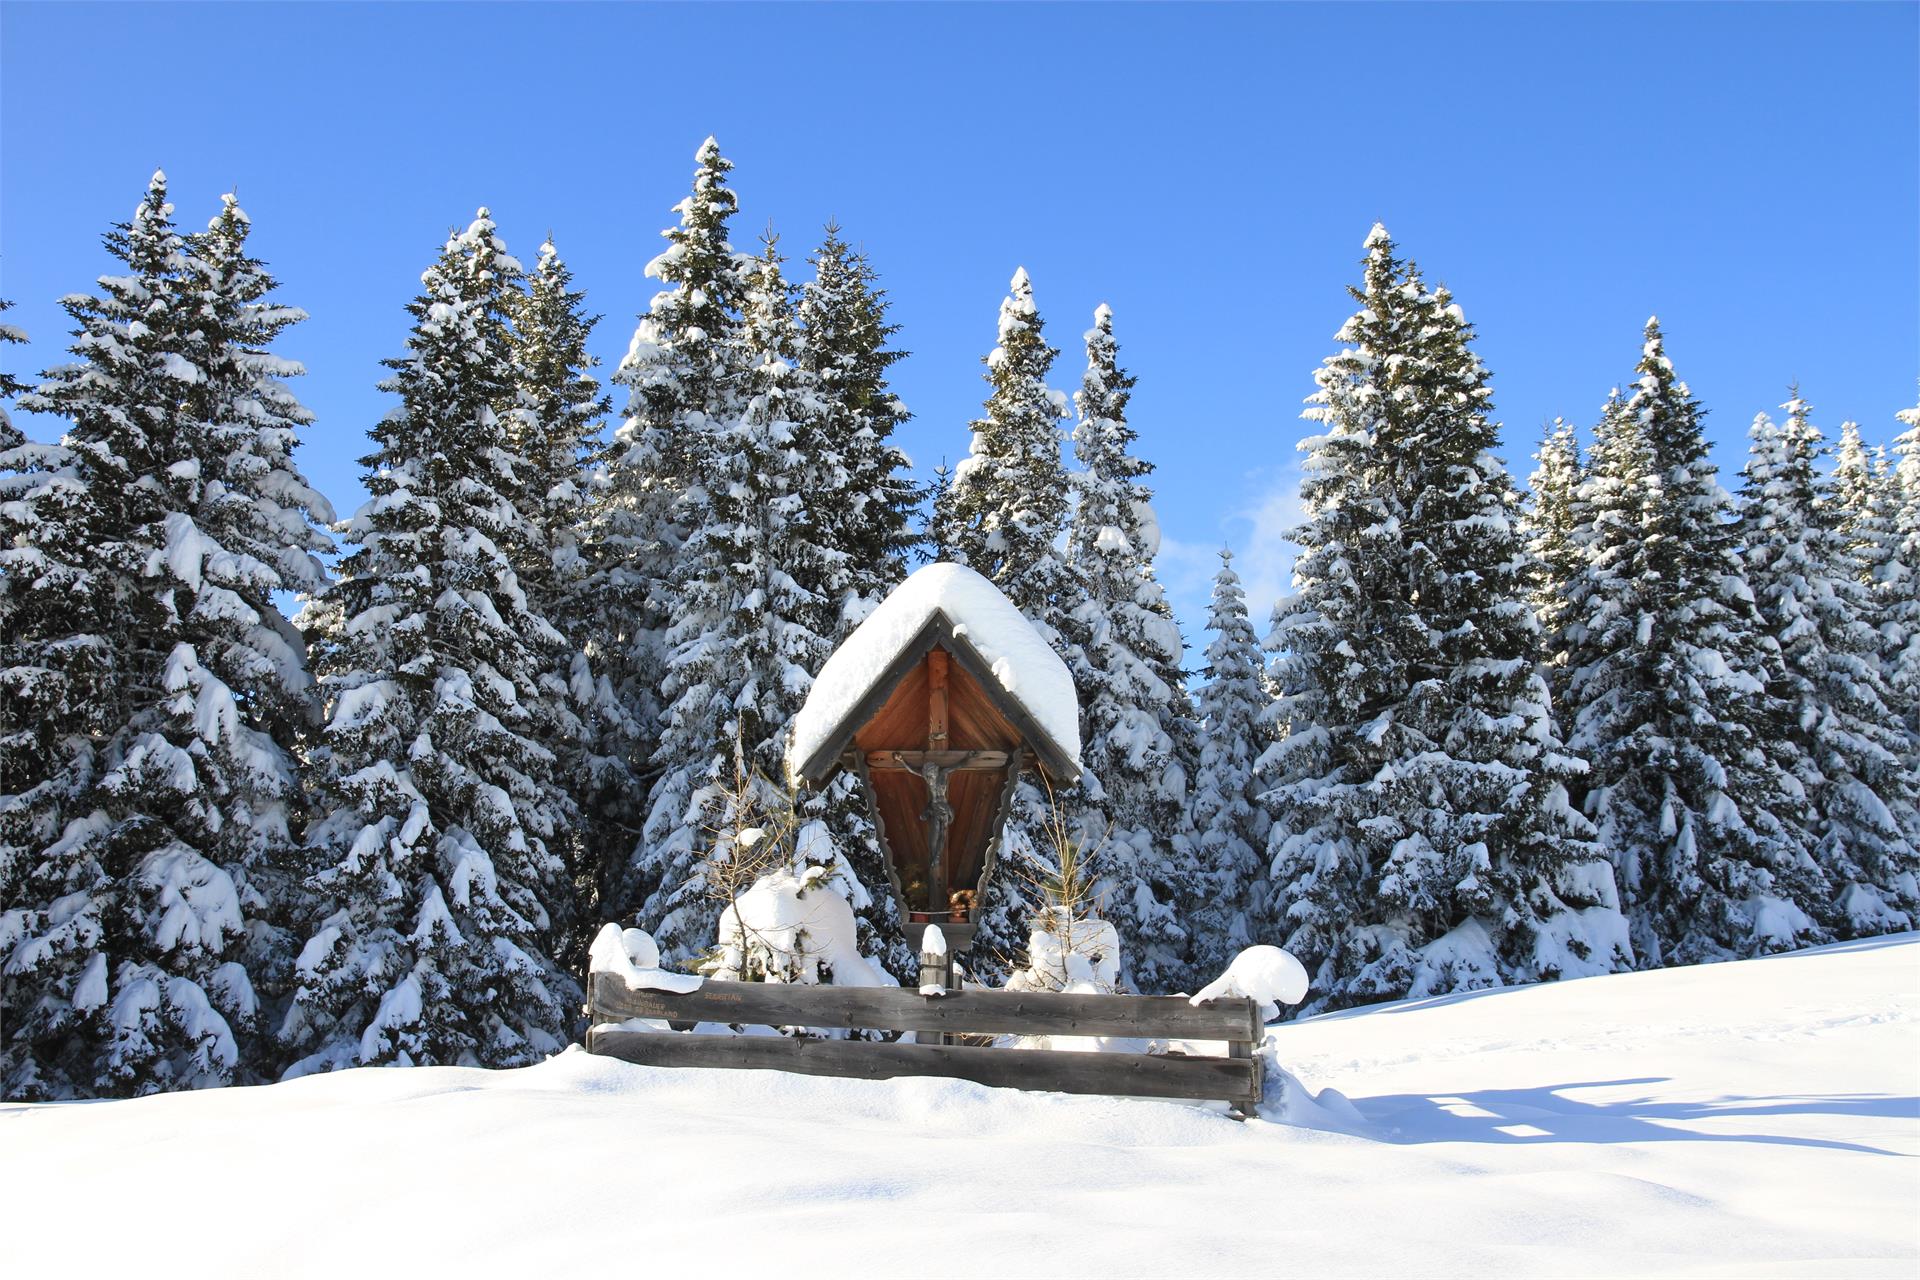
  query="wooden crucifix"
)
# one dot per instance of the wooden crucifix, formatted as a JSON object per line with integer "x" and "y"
{"x": 938, "y": 703}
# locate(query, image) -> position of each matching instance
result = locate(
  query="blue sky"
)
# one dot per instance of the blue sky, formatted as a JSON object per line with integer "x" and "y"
{"x": 1749, "y": 172}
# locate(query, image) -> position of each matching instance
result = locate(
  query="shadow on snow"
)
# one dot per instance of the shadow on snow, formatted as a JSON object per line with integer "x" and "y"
{"x": 1546, "y": 1115}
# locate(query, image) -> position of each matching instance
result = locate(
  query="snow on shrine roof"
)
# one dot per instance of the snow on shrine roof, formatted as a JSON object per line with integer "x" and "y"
{"x": 1021, "y": 663}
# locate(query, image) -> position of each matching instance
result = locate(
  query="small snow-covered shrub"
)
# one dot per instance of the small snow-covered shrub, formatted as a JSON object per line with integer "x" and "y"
{"x": 789, "y": 927}
{"x": 1069, "y": 953}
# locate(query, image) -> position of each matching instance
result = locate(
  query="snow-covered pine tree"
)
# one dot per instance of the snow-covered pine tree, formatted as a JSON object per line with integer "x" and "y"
{"x": 859, "y": 504}
{"x": 1899, "y": 578}
{"x": 741, "y": 648}
{"x": 1848, "y": 748}
{"x": 1230, "y": 819}
{"x": 434, "y": 874}
{"x": 592, "y": 733}
{"x": 864, "y": 496}
{"x": 1866, "y": 495}
{"x": 10, "y": 385}
{"x": 1010, "y": 495}
{"x": 686, "y": 375}
{"x": 57, "y": 674}
{"x": 1004, "y": 514}
{"x": 261, "y": 536}
{"x": 941, "y": 537}
{"x": 150, "y": 674}
{"x": 1863, "y": 499}
{"x": 1551, "y": 521}
{"x": 18, "y": 735}
{"x": 1423, "y": 840}
{"x": 1136, "y": 728}
{"x": 70, "y": 519}
{"x": 1669, "y": 675}
{"x": 559, "y": 413}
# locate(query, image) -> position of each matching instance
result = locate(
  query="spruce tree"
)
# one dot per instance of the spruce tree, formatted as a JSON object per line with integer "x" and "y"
{"x": 862, "y": 496}
{"x": 1423, "y": 839}
{"x": 1847, "y": 746}
{"x": 1862, "y": 497}
{"x": 1004, "y": 514}
{"x": 1551, "y": 523}
{"x": 260, "y": 523}
{"x": 10, "y": 385}
{"x": 559, "y": 413}
{"x": 1669, "y": 679}
{"x": 1866, "y": 495}
{"x": 590, "y": 728}
{"x": 741, "y": 650}
{"x": 685, "y": 375}
{"x": 941, "y": 538}
{"x": 152, "y": 685}
{"x": 1230, "y": 819}
{"x": 434, "y": 872}
{"x": 1899, "y": 578}
{"x": 859, "y": 505}
{"x": 1009, "y": 496}
{"x": 1136, "y": 728}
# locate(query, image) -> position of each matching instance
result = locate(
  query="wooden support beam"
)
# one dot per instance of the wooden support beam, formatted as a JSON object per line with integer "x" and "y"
{"x": 1248, "y": 1051}
{"x": 937, "y": 660}
{"x": 1016, "y": 762}
{"x": 858, "y": 763}
{"x": 985, "y": 761}
{"x": 1135, "y": 1075}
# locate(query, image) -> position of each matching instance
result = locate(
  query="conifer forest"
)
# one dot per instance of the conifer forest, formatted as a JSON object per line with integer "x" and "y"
{"x": 286, "y": 789}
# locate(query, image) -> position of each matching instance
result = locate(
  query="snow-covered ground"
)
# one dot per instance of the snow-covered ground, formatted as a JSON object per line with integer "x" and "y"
{"x": 1744, "y": 1119}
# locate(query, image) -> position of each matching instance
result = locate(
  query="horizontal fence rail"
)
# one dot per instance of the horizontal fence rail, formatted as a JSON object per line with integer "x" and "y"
{"x": 1138, "y": 1075}
{"x": 1033, "y": 1013}
{"x": 1234, "y": 1020}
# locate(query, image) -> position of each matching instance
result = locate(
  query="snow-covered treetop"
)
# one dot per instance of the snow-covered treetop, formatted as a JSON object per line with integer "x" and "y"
{"x": 1378, "y": 236}
{"x": 1009, "y": 499}
{"x": 1906, "y": 447}
{"x": 1024, "y": 666}
{"x": 1906, "y": 482}
{"x": 1654, "y": 351}
{"x": 10, "y": 385}
{"x": 1017, "y": 309}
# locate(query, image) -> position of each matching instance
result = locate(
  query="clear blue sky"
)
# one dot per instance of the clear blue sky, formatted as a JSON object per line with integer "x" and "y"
{"x": 1749, "y": 172}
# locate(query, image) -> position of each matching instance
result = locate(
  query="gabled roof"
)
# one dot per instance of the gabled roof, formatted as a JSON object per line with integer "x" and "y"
{"x": 953, "y": 607}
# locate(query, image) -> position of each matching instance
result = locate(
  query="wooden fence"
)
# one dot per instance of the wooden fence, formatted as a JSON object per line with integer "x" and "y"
{"x": 1233, "y": 1078}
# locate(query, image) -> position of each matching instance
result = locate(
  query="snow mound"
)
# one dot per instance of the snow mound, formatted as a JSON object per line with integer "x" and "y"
{"x": 1284, "y": 1100}
{"x": 1265, "y": 974}
{"x": 632, "y": 955}
{"x": 788, "y": 925}
{"x": 1023, "y": 664}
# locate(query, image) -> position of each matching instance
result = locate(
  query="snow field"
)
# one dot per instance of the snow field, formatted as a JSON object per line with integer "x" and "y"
{"x": 1755, "y": 1118}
